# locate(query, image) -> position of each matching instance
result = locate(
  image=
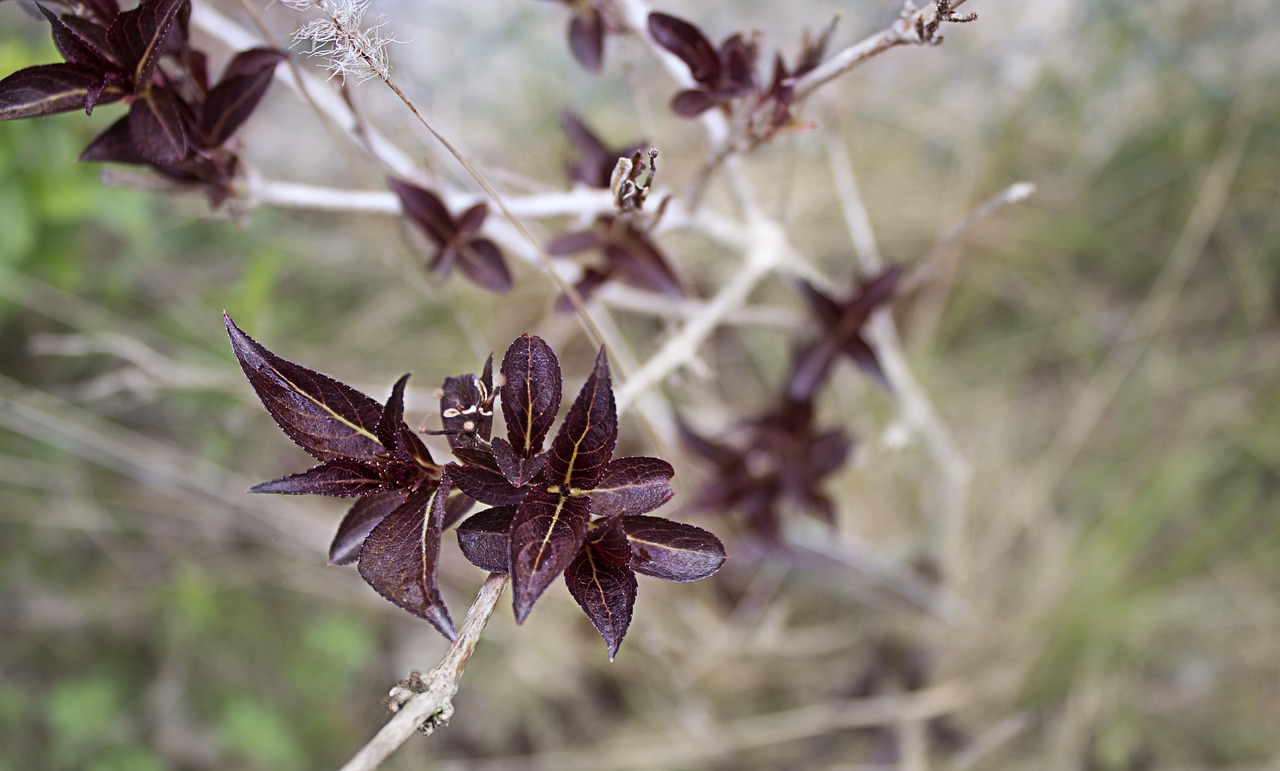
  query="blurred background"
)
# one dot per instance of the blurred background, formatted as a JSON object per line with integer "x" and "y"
{"x": 1105, "y": 356}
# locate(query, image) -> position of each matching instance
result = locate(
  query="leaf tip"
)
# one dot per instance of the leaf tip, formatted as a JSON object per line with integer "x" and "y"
{"x": 438, "y": 616}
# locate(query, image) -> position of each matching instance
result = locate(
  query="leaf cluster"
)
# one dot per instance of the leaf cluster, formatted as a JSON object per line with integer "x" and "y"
{"x": 457, "y": 240}
{"x": 569, "y": 508}
{"x": 780, "y": 457}
{"x": 178, "y": 123}
{"x": 630, "y": 255}
{"x": 727, "y": 76}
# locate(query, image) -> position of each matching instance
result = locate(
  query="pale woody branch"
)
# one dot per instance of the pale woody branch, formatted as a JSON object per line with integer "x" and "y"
{"x": 431, "y": 707}
{"x": 914, "y": 27}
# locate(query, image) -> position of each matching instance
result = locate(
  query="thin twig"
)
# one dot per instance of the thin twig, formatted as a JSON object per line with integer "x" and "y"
{"x": 435, "y": 702}
{"x": 904, "y": 31}
{"x": 665, "y": 750}
{"x": 769, "y": 249}
{"x": 951, "y": 494}
{"x": 312, "y": 89}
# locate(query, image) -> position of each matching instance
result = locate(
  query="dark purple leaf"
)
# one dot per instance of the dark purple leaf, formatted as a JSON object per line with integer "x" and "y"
{"x": 642, "y": 264}
{"x": 485, "y": 538}
{"x": 573, "y": 242}
{"x": 687, "y": 42}
{"x": 81, "y": 41}
{"x": 546, "y": 533}
{"x": 595, "y": 163}
{"x": 456, "y": 507}
{"x": 157, "y": 127}
{"x": 813, "y": 50}
{"x": 469, "y": 223}
{"x": 234, "y": 99}
{"x": 360, "y": 520}
{"x": 583, "y": 446}
{"x": 198, "y": 67}
{"x": 106, "y": 11}
{"x": 842, "y": 323}
{"x": 691, "y": 103}
{"x": 425, "y": 210}
{"x": 517, "y": 469}
{"x": 400, "y": 556}
{"x": 738, "y": 57}
{"x": 411, "y": 449}
{"x": 482, "y": 262}
{"x": 114, "y": 145}
{"x": 630, "y": 486}
{"x": 601, "y": 581}
{"x": 672, "y": 550}
{"x": 326, "y": 418}
{"x": 139, "y": 36}
{"x": 531, "y": 392}
{"x": 485, "y": 485}
{"x": 337, "y": 478}
{"x": 52, "y": 88}
{"x": 388, "y": 430}
{"x": 586, "y": 39}
{"x": 865, "y": 357}
{"x": 826, "y": 309}
{"x": 586, "y": 287}
{"x": 812, "y": 364}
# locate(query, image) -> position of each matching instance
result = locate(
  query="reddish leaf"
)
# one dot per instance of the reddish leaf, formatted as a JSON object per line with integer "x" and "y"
{"x": 388, "y": 430}
{"x": 233, "y": 100}
{"x": 738, "y": 60}
{"x": 360, "y": 520}
{"x": 52, "y": 88}
{"x": 326, "y": 418}
{"x": 602, "y": 583}
{"x": 157, "y": 127}
{"x": 425, "y": 210}
{"x": 400, "y": 556}
{"x": 586, "y": 39}
{"x": 642, "y": 264}
{"x": 814, "y": 49}
{"x": 573, "y": 242}
{"x": 691, "y": 103}
{"x": 468, "y": 224}
{"x": 531, "y": 392}
{"x": 114, "y": 145}
{"x": 105, "y": 10}
{"x": 595, "y": 163}
{"x": 583, "y": 446}
{"x": 139, "y": 36}
{"x": 482, "y": 262}
{"x": 546, "y": 533}
{"x": 456, "y": 507}
{"x": 517, "y": 469}
{"x": 630, "y": 486}
{"x": 412, "y": 450}
{"x": 337, "y": 478}
{"x": 687, "y": 42}
{"x": 672, "y": 550}
{"x": 81, "y": 41}
{"x": 485, "y": 485}
{"x": 842, "y": 323}
{"x": 485, "y": 538}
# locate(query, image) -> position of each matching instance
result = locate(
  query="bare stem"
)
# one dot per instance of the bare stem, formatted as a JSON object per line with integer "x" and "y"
{"x": 913, "y": 27}
{"x": 952, "y": 493}
{"x": 434, "y": 703}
